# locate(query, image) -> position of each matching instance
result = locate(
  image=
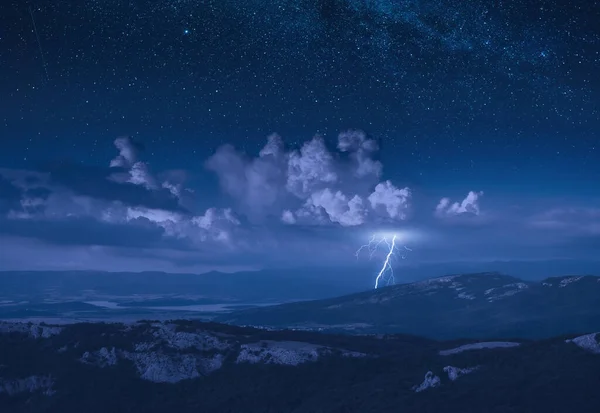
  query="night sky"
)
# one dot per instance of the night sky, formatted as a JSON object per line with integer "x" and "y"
{"x": 188, "y": 135}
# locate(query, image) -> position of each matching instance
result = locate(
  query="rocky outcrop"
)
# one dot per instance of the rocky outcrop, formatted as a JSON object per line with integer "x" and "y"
{"x": 588, "y": 342}
{"x": 269, "y": 352}
{"x": 168, "y": 356}
{"x": 31, "y": 329}
{"x": 100, "y": 358}
{"x": 172, "y": 368}
{"x": 29, "y": 384}
{"x": 429, "y": 382}
{"x": 168, "y": 335}
{"x": 456, "y": 372}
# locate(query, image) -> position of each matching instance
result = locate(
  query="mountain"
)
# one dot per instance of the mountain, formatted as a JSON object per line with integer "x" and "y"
{"x": 247, "y": 286}
{"x": 188, "y": 366}
{"x": 527, "y": 270}
{"x": 465, "y": 305}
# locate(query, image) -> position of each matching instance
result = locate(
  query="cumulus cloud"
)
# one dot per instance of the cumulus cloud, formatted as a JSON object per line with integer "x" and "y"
{"x": 469, "y": 206}
{"x": 326, "y": 205}
{"x": 127, "y": 204}
{"x": 128, "y": 152}
{"x": 311, "y": 185}
{"x": 137, "y": 172}
{"x": 310, "y": 169}
{"x": 217, "y": 224}
{"x": 361, "y": 149}
{"x": 126, "y": 196}
{"x": 394, "y": 200}
{"x": 288, "y": 217}
{"x": 256, "y": 183}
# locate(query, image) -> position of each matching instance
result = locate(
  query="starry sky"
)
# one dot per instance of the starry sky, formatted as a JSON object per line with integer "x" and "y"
{"x": 189, "y": 135}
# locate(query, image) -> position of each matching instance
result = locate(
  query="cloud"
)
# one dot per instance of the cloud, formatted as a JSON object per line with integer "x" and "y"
{"x": 100, "y": 183}
{"x": 87, "y": 231}
{"x": 328, "y": 206}
{"x": 361, "y": 149}
{"x": 316, "y": 200}
{"x": 570, "y": 220}
{"x": 288, "y": 217}
{"x": 310, "y": 169}
{"x": 137, "y": 172}
{"x": 10, "y": 194}
{"x": 311, "y": 185}
{"x": 65, "y": 216}
{"x": 127, "y": 180}
{"x": 394, "y": 200}
{"x": 105, "y": 203}
{"x": 128, "y": 152}
{"x": 257, "y": 184}
{"x": 468, "y": 206}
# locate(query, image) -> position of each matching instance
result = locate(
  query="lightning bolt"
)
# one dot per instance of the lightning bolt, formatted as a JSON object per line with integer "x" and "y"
{"x": 386, "y": 273}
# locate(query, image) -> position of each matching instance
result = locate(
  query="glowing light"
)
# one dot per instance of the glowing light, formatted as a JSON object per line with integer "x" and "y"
{"x": 386, "y": 273}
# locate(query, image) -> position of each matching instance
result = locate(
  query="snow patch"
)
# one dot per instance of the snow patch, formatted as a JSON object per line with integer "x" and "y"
{"x": 588, "y": 342}
{"x": 568, "y": 280}
{"x": 429, "y": 382}
{"x": 479, "y": 346}
{"x": 466, "y": 296}
{"x": 505, "y": 291}
{"x": 444, "y": 279}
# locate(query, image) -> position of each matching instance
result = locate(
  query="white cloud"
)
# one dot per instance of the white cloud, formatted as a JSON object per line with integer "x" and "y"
{"x": 257, "y": 184}
{"x": 310, "y": 169}
{"x": 216, "y": 224}
{"x": 288, "y": 217}
{"x": 394, "y": 200}
{"x": 336, "y": 207}
{"x": 311, "y": 184}
{"x": 361, "y": 148}
{"x": 59, "y": 203}
{"x": 274, "y": 147}
{"x": 128, "y": 153}
{"x": 138, "y": 172}
{"x": 469, "y": 205}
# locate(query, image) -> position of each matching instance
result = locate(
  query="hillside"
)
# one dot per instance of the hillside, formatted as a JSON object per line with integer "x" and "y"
{"x": 465, "y": 305}
{"x": 187, "y": 366}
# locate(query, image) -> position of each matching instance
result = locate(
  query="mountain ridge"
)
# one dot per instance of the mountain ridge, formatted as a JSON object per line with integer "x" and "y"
{"x": 445, "y": 307}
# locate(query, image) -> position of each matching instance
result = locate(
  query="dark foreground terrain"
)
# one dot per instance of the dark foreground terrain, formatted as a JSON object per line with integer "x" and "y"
{"x": 188, "y": 366}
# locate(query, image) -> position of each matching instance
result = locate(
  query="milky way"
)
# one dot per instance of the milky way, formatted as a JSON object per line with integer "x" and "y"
{"x": 425, "y": 64}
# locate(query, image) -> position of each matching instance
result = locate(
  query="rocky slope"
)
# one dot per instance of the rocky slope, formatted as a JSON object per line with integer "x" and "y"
{"x": 467, "y": 305}
{"x": 189, "y": 366}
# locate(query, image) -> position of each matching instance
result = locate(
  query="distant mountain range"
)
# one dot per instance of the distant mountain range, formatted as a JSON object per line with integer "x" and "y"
{"x": 247, "y": 286}
{"x": 268, "y": 284}
{"x": 187, "y": 366}
{"x": 466, "y": 305}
